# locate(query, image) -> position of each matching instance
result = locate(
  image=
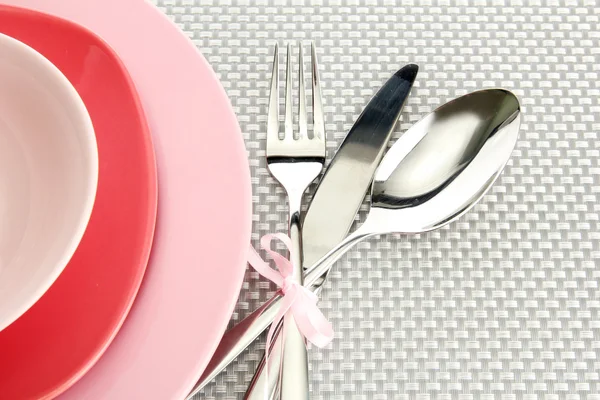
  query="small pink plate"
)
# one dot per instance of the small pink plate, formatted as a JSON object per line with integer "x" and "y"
{"x": 204, "y": 211}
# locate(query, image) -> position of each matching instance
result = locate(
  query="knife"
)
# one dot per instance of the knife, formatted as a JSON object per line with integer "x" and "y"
{"x": 359, "y": 155}
{"x": 340, "y": 193}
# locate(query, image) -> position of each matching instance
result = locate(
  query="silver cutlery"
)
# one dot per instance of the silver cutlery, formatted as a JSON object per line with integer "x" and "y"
{"x": 434, "y": 173}
{"x": 358, "y": 156}
{"x": 295, "y": 163}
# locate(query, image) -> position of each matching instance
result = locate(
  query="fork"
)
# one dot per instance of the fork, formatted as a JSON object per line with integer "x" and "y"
{"x": 295, "y": 163}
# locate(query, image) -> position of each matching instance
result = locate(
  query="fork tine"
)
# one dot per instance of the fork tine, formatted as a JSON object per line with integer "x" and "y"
{"x": 302, "y": 123}
{"x": 317, "y": 101}
{"x": 289, "y": 124}
{"x": 273, "y": 121}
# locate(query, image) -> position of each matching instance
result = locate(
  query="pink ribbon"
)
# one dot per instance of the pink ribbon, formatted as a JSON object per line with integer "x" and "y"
{"x": 298, "y": 301}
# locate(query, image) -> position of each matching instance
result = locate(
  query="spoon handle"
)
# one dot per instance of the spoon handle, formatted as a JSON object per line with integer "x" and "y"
{"x": 238, "y": 338}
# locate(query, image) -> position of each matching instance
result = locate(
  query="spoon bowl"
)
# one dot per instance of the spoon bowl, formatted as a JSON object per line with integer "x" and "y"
{"x": 438, "y": 169}
{"x": 445, "y": 163}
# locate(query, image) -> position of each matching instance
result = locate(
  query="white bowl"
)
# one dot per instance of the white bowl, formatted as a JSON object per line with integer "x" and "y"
{"x": 48, "y": 175}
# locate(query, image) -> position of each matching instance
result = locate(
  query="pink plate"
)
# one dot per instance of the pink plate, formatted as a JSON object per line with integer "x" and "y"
{"x": 204, "y": 212}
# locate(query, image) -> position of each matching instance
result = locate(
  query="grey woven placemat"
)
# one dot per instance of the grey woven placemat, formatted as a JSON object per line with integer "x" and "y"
{"x": 503, "y": 304}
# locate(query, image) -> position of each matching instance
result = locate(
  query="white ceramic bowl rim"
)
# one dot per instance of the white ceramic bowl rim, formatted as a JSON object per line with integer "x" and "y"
{"x": 87, "y": 138}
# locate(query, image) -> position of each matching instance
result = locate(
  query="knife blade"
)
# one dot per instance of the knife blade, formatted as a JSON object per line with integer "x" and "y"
{"x": 347, "y": 178}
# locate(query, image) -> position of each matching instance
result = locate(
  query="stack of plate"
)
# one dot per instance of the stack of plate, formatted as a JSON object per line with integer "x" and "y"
{"x": 133, "y": 199}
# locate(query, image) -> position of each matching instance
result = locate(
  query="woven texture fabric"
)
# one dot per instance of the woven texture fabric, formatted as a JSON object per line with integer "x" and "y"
{"x": 504, "y": 303}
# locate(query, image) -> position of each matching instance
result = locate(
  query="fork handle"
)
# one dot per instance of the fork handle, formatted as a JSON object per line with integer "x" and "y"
{"x": 294, "y": 383}
{"x": 262, "y": 381}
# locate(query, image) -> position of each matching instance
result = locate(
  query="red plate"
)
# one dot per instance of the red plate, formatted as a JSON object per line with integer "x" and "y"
{"x": 54, "y": 343}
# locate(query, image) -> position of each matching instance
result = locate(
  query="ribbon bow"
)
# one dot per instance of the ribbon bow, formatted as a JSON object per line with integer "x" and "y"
{"x": 298, "y": 301}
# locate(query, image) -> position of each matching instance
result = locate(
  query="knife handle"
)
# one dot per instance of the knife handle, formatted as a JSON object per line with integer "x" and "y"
{"x": 238, "y": 338}
{"x": 263, "y": 383}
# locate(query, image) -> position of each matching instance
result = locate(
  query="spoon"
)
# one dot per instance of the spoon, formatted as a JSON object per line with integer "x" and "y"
{"x": 437, "y": 170}
{"x": 434, "y": 173}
